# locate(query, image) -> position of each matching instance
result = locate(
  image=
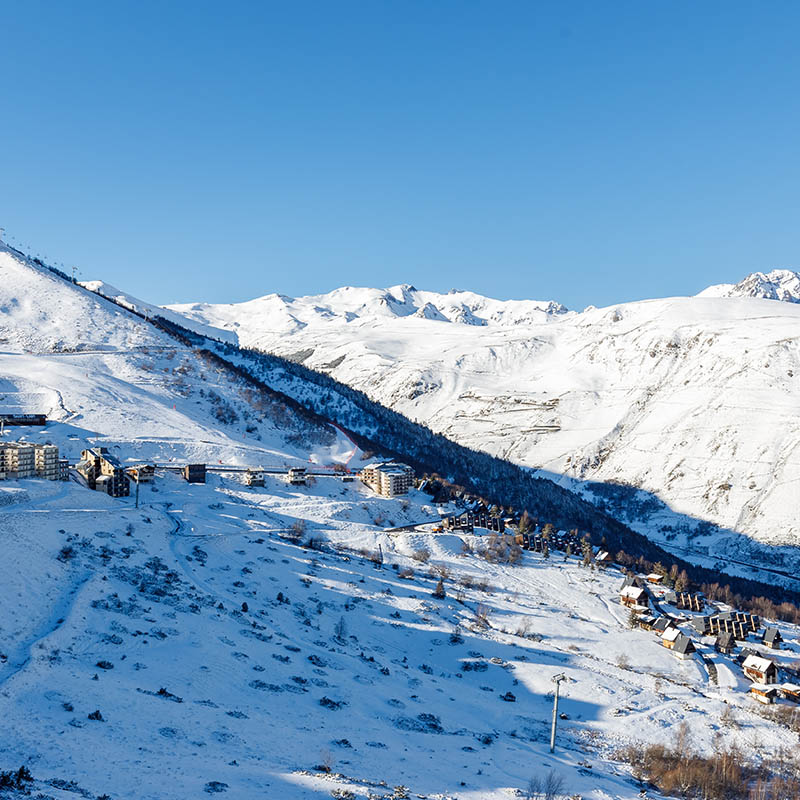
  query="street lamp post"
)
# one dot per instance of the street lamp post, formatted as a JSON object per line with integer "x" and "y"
{"x": 557, "y": 680}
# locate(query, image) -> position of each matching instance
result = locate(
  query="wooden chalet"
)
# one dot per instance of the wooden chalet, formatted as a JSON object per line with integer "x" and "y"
{"x": 760, "y": 670}
{"x": 790, "y": 691}
{"x": 646, "y": 621}
{"x": 630, "y": 580}
{"x": 772, "y": 638}
{"x": 603, "y": 558}
{"x": 634, "y": 597}
{"x": 662, "y": 624}
{"x": 724, "y": 643}
{"x": 654, "y": 577}
{"x": 683, "y": 647}
{"x": 669, "y": 637}
{"x": 764, "y": 694}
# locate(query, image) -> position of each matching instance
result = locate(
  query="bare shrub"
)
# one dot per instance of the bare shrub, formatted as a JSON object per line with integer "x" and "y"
{"x": 297, "y": 530}
{"x": 422, "y": 555}
{"x": 407, "y": 574}
{"x": 482, "y": 614}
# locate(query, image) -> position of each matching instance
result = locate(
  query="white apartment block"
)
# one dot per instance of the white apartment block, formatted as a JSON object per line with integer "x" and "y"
{"x": 388, "y": 479}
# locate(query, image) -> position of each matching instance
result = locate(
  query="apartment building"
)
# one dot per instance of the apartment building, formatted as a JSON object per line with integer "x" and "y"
{"x": 28, "y": 460}
{"x": 103, "y": 472}
{"x": 389, "y": 478}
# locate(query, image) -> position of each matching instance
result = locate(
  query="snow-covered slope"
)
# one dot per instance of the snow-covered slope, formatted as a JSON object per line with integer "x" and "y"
{"x": 692, "y": 400}
{"x": 223, "y": 658}
{"x": 149, "y": 310}
{"x": 103, "y": 375}
{"x": 779, "y": 284}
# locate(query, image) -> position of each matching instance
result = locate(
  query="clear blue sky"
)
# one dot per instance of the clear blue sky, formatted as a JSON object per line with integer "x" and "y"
{"x": 587, "y": 152}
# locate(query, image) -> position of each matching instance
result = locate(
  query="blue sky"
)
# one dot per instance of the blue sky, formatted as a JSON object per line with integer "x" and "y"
{"x": 585, "y": 152}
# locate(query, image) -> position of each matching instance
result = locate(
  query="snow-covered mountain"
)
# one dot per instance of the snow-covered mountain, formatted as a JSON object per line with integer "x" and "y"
{"x": 779, "y": 284}
{"x": 282, "y": 314}
{"x": 692, "y": 400}
{"x": 278, "y": 641}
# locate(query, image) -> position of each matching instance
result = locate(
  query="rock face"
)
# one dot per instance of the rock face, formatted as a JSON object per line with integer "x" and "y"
{"x": 692, "y": 400}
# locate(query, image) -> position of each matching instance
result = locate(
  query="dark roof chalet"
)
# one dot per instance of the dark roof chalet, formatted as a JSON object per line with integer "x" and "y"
{"x": 772, "y": 636}
{"x": 683, "y": 645}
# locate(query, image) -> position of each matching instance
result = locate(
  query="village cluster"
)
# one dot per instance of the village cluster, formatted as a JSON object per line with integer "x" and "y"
{"x": 101, "y": 471}
{"x": 687, "y": 626}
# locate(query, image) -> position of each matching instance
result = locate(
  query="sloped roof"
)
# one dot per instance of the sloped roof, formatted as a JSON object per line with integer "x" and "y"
{"x": 683, "y": 644}
{"x": 757, "y": 662}
{"x": 771, "y": 634}
{"x": 671, "y": 635}
{"x": 632, "y": 591}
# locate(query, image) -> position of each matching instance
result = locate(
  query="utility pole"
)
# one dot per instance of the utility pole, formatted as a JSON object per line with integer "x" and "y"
{"x": 74, "y": 270}
{"x": 557, "y": 680}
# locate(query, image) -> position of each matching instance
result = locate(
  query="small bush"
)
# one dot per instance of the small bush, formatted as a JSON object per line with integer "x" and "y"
{"x": 422, "y": 555}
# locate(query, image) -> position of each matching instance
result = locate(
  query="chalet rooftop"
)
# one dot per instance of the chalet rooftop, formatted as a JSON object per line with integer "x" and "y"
{"x": 683, "y": 644}
{"x": 757, "y": 663}
{"x": 634, "y": 592}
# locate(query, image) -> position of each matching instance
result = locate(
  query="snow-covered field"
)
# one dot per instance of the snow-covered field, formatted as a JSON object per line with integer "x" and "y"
{"x": 138, "y": 614}
{"x": 692, "y": 400}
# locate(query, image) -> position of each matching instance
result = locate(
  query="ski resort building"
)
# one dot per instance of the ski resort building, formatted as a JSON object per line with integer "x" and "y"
{"x": 683, "y": 648}
{"x": 297, "y": 476}
{"x": 142, "y": 473}
{"x": 103, "y": 472}
{"x": 388, "y": 479}
{"x": 254, "y": 477}
{"x": 194, "y": 473}
{"x": 27, "y": 460}
{"x": 737, "y": 623}
{"x": 725, "y": 643}
{"x": 46, "y": 460}
{"x": 23, "y": 419}
{"x": 685, "y": 600}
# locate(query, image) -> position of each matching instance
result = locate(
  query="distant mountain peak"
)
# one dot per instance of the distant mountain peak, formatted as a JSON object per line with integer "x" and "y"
{"x": 778, "y": 284}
